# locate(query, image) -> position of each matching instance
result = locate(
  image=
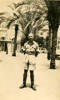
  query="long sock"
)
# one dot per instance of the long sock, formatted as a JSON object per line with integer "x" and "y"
{"x": 32, "y": 78}
{"x": 24, "y": 77}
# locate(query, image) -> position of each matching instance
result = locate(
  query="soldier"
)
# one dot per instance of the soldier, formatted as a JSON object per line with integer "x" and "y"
{"x": 31, "y": 50}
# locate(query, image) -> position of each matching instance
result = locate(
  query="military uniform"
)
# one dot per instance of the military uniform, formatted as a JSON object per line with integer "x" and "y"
{"x": 30, "y": 55}
{"x": 30, "y": 50}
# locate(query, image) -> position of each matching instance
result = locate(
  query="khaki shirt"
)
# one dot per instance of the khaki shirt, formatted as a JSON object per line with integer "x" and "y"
{"x": 31, "y": 48}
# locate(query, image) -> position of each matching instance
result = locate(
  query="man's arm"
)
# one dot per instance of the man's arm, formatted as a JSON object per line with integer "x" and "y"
{"x": 23, "y": 49}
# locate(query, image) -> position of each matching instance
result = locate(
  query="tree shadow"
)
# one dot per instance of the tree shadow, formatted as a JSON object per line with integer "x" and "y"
{"x": 0, "y": 60}
{"x": 29, "y": 85}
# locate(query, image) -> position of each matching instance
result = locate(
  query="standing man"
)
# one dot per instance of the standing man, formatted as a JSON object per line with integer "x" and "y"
{"x": 31, "y": 50}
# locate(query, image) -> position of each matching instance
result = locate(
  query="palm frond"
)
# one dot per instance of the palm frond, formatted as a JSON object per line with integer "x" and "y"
{"x": 10, "y": 22}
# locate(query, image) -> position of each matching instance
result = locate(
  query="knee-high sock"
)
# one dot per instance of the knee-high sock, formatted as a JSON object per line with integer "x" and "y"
{"x": 32, "y": 78}
{"x": 24, "y": 77}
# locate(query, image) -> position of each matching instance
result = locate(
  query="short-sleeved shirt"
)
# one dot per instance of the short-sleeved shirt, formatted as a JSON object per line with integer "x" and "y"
{"x": 28, "y": 48}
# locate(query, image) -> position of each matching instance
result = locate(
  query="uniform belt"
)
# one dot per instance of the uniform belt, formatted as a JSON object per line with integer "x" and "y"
{"x": 30, "y": 53}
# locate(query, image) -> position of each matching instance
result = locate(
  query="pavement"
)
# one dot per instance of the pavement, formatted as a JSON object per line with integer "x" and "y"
{"x": 47, "y": 81}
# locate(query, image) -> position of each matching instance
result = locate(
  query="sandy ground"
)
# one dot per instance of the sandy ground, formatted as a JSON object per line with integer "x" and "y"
{"x": 47, "y": 80}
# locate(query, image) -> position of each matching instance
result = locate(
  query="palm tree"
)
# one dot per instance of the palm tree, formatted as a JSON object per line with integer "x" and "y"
{"x": 53, "y": 18}
{"x": 30, "y": 19}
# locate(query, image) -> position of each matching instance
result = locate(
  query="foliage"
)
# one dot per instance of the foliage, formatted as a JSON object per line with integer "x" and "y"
{"x": 30, "y": 14}
{"x": 53, "y": 12}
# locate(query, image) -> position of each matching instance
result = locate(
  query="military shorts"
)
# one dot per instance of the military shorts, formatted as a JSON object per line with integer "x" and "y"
{"x": 30, "y": 62}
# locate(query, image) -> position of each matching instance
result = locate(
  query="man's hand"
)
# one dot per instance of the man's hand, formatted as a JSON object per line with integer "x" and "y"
{"x": 22, "y": 51}
{"x": 36, "y": 53}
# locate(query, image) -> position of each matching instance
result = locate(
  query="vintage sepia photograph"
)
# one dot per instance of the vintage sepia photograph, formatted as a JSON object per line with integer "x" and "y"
{"x": 29, "y": 49}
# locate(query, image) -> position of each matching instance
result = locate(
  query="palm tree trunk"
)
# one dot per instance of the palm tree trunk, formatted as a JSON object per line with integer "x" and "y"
{"x": 15, "y": 40}
{"x": 49, "y": 43}
{"x": 6, "y": 47}
{"x": 54, "y": 43}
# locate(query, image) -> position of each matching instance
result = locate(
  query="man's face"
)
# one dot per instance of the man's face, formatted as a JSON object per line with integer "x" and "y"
{"x": 31, "y": 37}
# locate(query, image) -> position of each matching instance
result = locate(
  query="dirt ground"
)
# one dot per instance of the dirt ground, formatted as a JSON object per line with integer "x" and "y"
{"x": 47, "y": 80}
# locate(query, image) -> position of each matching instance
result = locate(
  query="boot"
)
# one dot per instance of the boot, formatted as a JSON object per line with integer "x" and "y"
{"x": 24, "y": 79}
{"x": 23, "y": 86}
{"x": 32, "y": 80}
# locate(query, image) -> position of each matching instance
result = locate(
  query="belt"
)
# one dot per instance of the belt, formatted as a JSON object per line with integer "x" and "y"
{"x": 30, "y": 53}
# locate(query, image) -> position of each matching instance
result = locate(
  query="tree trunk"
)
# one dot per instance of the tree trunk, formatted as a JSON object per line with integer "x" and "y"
{"x": 54, "y": 44}
{"x": 15, "y": 40}
{"x": 6, "y": 47}
{"x": 49, "y": 43}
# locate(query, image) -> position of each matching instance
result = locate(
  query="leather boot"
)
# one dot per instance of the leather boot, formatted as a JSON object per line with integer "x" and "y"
{"x": 24, "y": 79}
{"x": 32, "y": 80}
